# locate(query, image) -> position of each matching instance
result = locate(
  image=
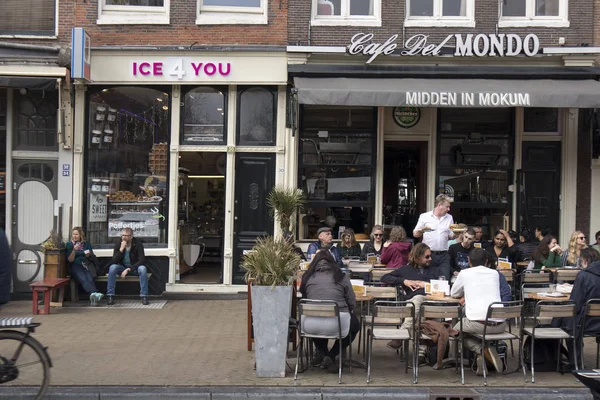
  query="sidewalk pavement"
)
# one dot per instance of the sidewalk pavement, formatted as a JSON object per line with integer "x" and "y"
{"x": 202, "y": 343}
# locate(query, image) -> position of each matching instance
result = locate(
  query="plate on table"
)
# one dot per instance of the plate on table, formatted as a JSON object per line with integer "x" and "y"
{"x": 551, "y": 294}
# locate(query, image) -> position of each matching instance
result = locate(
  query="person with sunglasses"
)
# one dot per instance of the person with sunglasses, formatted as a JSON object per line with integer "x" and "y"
{"x": 413, "y": 278}
{"x": 572, "y": 255}
{"x": 375, "y": 246}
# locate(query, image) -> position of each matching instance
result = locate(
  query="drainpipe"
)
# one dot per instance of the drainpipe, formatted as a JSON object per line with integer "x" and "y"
{"x": 49, "y": 49}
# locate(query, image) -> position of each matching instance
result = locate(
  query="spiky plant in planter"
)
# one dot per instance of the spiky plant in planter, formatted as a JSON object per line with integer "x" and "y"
{"x": 272, "y": 262}
{"x": 284, "y": 203}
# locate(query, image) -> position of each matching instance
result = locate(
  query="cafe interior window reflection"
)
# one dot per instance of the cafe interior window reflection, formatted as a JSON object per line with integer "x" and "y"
{"x": 337, "y": 169}
{"x": 204, "y": 116}
{"x": 475, "y": 161}
{"x": 127, "y": 165}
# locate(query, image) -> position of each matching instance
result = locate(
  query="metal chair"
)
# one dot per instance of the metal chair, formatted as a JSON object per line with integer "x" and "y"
{"x": 551, "y": 309}
{"x": 378, "y": 293}
{"x": 509, "y": 274}
{"x": 377, "y": 273}
{"x": 325, "y": 309}
{"x": 502, "y": 310}
{"x": 566, "y": 274}
{"x": 441, "y": 310}
{"x": 592, "y": 309}
{"x": 386, "y": 314}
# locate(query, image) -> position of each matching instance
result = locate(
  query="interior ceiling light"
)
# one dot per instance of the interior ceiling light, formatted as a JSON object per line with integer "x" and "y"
{"x": 159, "y": 99}
{"x": 165, "y": 108}
{"x": 219, "y": 109}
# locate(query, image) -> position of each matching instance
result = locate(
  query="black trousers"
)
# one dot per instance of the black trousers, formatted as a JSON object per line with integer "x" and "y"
{"x": 321, "y": 344}
{"x": 441, "y": 260}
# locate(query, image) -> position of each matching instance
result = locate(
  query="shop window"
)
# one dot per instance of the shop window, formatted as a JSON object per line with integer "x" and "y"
{"x": 475, "y": 161}
{"x": 257, "y": 116}
{"x": 205, "y": 116}
{"x": 127, "y": 165}
{"x": 232, "y": 12}
{"x": 336, "y": 168}
{"x": 124, "y": 12}
{"x": 440, "y": 13}
{"x": 540, "y": 120}
{"x": 36, "y": 120}
{"x": 346, "y": 12}
{"x": 28, "y": 17}
{"x": 546, "y": 13}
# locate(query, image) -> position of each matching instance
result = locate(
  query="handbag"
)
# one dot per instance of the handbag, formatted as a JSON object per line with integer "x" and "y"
{"x": 92, "y": 264}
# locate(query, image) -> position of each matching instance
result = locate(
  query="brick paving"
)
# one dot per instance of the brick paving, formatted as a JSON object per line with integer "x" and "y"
{"x": 203, "y": 343}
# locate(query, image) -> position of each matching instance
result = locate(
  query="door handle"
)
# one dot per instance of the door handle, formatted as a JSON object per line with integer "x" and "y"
{"x": 235, "y": 218}
{"x": 27, "y": 262}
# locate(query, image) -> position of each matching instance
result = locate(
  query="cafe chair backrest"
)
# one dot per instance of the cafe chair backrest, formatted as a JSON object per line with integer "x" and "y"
{"x": 382, "y": 292}
{"x": 592, "y": 308}
{"x": 505, "y": 310}
{"x": 377, "y": 273}
{"x": 394, "y": 309}
{"x": 314, "y": 308}
{"x": 440, "y": 310}
{"x": 535, "y": 277}
{"x": 548, "y": 309}
{"x": 509, "y": 274}
{"x": 567, "y": 275}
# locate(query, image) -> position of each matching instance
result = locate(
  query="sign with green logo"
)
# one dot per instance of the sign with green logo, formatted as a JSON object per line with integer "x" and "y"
{"x": 407, "y": 117}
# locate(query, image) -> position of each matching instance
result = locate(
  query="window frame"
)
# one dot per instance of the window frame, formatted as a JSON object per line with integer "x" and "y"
{"x": 133, "y": 15}
{"x": 238, "y": 134}
{"x": 345, "y": 19}
{"x": 231, "y": 15}
{"x": 560, "y": 21}
{"x": 219, "y": 88}
{"x": 438, "y": 20}
{"x": 35, "y": 34}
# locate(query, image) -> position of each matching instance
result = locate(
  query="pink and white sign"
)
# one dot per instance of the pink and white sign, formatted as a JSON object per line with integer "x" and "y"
{"x": 180, "y": 68}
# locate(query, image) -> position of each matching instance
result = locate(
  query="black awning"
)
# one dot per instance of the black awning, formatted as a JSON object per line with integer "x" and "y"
{"x": 28, "y": 82}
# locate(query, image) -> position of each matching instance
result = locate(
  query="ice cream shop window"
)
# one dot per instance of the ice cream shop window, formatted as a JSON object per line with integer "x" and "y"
{"x": 127, "y": 165}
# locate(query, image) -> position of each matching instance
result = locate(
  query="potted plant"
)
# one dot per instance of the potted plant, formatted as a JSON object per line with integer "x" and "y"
{"x": 284, "y": 203}
{"x": 272, "y": 267}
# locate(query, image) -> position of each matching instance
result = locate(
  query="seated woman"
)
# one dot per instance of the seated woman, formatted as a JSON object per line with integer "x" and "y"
{"x": 571, "y": 255}
{"x": 396, "y": 250}
{"x": 77, "y": 252}
{"x": 503, "y": 247}
{"x": 547, "y": 254}
{"x": 324, "y": 280}
{"x": 527, "y": 245}
{"x": 348, "y": 247}
{"x": 375, "y": 246}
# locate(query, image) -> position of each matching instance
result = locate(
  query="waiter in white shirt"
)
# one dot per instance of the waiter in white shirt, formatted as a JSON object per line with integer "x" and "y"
{"x": 434, "y": 226}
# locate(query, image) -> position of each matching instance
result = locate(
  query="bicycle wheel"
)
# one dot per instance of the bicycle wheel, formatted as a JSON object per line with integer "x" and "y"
{"x": 24, "y": 359}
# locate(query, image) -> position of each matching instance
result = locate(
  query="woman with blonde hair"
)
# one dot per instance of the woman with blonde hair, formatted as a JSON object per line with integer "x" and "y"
{"x": 375, "y": 246}
{"x": 348, "y": 246}
{"x": 396, "y": 249}
{"x": 571, "y": 256}
{"x": 78, "y": 252}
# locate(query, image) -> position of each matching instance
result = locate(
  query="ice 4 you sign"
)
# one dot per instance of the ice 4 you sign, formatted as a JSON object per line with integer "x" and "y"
{"x": 481, "y": 45}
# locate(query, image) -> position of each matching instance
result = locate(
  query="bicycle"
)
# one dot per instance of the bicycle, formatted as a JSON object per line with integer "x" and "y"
{"x": 23, "y": 360}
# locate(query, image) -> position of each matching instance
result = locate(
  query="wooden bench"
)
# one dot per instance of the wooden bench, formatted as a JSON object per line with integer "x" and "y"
{"x": 102, "y": 278}
{"x": 47, "y": 287}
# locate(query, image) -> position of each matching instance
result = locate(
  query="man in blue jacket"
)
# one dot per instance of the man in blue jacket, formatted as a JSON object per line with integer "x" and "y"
{"x": 325, "y": 242}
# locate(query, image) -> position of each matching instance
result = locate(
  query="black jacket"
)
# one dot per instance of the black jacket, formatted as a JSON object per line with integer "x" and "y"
{"x": 586, "y": 287}
{"x": 397, "y": 277}
{"x": 5, "y": 268}
{"x": 459, "y": 256}
{"x": 136, "y": 255}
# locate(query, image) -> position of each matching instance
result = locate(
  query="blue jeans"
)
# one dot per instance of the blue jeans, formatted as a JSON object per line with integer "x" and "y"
{"x": 117, "y": 269}
{"x": 84, "y": 277}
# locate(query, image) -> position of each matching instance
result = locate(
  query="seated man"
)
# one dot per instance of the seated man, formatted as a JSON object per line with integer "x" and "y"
{"x": 128, "y": 258}
{"x": 459, "y": 252}
{"x": 480, "y": 286}
{"x": 325, "y": 242}
{"x": 413, "y": 278}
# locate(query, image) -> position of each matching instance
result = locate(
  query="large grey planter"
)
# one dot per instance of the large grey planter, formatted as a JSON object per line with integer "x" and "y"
{"x": 270, "y": 316}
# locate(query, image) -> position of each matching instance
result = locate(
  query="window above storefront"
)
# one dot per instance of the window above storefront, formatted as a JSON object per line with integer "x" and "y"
{"x": 130, "y": 12}
{"x": 543, "y": 13}
{"x": 232, "y": 12}
{"x": 346, "y": 12}
{"x": 205, "y": 116}
{"x": 440, "y": 13}
{"x": 257, "y": 116}
{"x": 28, "y": 18}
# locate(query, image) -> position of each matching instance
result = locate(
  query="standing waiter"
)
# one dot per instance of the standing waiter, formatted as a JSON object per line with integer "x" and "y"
{"x": 434, "y": 226}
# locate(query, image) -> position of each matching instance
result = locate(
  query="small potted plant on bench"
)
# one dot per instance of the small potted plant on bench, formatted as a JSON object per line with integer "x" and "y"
{"x": 54, "y": 256}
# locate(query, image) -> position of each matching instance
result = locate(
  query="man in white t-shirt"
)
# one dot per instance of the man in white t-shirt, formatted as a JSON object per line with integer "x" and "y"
{"x": 434, "y": 226}
{"x": 480, "y": 287}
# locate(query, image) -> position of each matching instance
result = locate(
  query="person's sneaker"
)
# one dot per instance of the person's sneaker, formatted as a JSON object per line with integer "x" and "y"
{"x": 317, "y": 359}
{"x": 479, "y": 365}
{"x": 145, "y": 301}
{"x": 327, "y": 361}
{"x": 99, "y": 297}
{"x": 395, "y": 344}
{"x": 491, "y": 355}
{"x": 93, "y": 300}
{"x": 110, "y": 300}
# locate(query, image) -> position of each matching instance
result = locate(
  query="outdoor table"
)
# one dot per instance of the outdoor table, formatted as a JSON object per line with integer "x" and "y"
{"x": 536, "y": 296}
{"x": 522, "y": 264}
{"x": 449, "y": 299}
